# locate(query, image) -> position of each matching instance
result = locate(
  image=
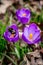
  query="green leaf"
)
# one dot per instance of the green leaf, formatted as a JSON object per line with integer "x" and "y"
{"x": 23, "y": 63}
{"x": 30, "y": 50}
{"x": 3, "y": 28}
{"x": 3, "y": 43}
{"x": 17, "y": 53}
{"x": 6, "y": 18}
{"x": 25, "y": 49}
{"x": 37, "y": 18}
{"x": 41, "y": 45}
{"x": 20, "y": 51}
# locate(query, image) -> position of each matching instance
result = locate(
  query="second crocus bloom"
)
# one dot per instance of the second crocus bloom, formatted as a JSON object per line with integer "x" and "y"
{"x": 31, "y": 34}
{"x": 11, "y": 34}
{"x": 23, "y": 15}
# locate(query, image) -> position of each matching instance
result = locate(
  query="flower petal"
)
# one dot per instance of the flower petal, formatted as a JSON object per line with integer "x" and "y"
{"x": 23, "y": 15}
{"x": 7, "y": 34}
{"x": 37, "y": 33}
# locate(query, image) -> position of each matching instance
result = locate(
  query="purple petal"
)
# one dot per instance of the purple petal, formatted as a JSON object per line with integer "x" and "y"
{"x": 37, "y": 39}
{"x": 26, "y": 40}
{"x": 26, "y": 32}
{"x": 24, "y": 20}
{"x": 33, "y": 26}
{"x": 37, "y": 33}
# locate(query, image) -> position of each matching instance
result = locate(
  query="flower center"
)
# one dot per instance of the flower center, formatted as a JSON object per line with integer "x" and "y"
{"x": 31, "y": 36}
{"x": 13, "y": 32}
{"x": 24, "y": 14}
{"x": 12, "y": 35}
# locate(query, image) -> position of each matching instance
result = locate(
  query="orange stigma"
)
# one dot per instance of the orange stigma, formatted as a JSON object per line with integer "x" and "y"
{"x": 24, "y": 14}
{"x": 12, "y": 35}
{"x": 31, "y": 36}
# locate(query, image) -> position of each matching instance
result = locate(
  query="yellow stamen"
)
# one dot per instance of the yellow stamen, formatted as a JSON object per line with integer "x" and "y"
{"x": 31, "y": 36}
{"x": 24, "y": 14}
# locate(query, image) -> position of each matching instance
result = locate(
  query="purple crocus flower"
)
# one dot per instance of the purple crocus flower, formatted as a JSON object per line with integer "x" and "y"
{"x": 31, "y": 34}
{"x": 11, "y": 34}
{"x": 23, "y": 15}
